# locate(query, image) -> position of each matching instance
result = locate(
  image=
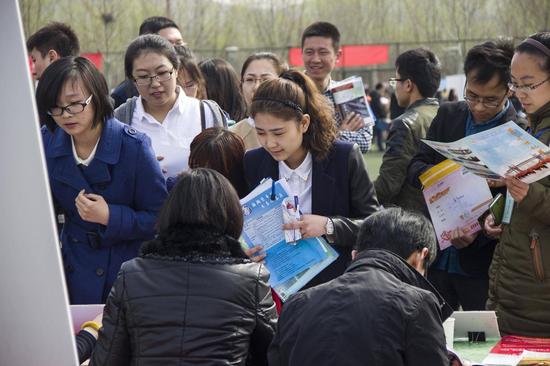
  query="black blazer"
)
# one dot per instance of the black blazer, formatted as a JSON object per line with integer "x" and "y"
{"x": 341, "y": 189}
{"x": 449, "y": 125}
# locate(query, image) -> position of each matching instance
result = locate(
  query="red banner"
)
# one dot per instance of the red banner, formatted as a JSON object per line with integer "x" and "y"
{"x": 352, "y": 56}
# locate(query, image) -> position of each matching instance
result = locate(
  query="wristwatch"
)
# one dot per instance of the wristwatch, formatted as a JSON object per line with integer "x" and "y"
{"x": 329, "y": 227}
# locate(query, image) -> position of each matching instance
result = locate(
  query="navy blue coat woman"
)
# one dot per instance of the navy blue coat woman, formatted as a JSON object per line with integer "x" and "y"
{"x": 126, "y": 174}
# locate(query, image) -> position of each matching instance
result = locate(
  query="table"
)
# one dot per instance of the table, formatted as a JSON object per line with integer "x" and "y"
{"x": 474, "y": 352}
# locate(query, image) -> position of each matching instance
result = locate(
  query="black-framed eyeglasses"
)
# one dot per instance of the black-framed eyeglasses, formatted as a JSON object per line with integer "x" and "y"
{"x": 160, "y": 77}
{"x": 393, "y": 81}
{"x": 526, "y": 88}
{"x": 486, "y": 103}
{"x": 73, "y": 108}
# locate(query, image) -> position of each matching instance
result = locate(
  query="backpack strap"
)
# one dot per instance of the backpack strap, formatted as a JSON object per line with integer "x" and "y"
{"x": 220, "y": 120}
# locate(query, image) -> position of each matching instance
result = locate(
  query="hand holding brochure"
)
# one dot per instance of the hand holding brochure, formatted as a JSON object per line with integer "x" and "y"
{"x": 505, "y": 150}
{"x": 291, "y": 265}
{"x": 349, "y": 96}
{"x": 455, "y": 198}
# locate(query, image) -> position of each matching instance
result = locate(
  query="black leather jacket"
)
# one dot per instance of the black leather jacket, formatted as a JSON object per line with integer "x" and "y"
{"x": 181, "y": 304}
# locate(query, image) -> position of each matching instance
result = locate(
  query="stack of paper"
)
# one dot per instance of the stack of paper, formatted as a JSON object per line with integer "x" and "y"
{"x": 513, "y": 350}
{"x": 292, "y": 265}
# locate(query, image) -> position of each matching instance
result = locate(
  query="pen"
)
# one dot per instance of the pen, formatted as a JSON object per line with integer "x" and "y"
{"x": 297, "y": 208}
{"x": 273, "y": 196}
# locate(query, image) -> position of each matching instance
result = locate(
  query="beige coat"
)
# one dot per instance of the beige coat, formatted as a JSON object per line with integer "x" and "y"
{"x": 247, "y": 133}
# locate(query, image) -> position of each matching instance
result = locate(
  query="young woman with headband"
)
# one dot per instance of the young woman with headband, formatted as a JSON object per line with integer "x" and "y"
{"x": 298, "y": 138}
{"x": 519, "y": 288}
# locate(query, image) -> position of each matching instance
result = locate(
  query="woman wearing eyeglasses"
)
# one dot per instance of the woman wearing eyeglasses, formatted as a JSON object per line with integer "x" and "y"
{"x": 103, "y": 175}
{"x": 162, "y": 111}
{"x": 256, "y": 69}
{"x": 519, "y": 287}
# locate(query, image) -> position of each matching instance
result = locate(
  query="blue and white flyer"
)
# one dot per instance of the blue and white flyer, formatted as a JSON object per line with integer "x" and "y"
{"x": 291, "y": 264}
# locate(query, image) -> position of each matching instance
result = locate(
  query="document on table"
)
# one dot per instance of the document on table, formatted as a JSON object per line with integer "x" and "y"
{"x": 291, "y": 265}
{"x": 515, "y": 350}
{"x": 456, "y": 198}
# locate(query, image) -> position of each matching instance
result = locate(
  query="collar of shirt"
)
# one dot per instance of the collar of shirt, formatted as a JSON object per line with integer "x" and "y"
{"x": 303, "y": 171}
{"x": 86, "y": 161}
{"x": 178, "y": 108}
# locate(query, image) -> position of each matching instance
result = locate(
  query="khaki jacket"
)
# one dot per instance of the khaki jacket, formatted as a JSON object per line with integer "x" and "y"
{"x": 247, "y": 133}
{"x": 519, "y": 287}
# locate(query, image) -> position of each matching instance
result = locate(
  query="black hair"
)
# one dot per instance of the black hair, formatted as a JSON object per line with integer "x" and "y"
{"x": 399, "y": 231}
{"x": 278, "y": 65}
{"x": 188, "y": 62}
{"x": 149, "y": 43}
{"x": 202, "y": 196}
{"x": 289, "y": 97}
{"x": 72, "y": 69}
{"x": 55, "y": 36}
{"x": 422, "y": 67}
{"x": 223, "y": 87}
{"x": 153, "y": 25}
{"x": 488, "y": 59}
{"x": 323, "y": 29}
{"x": 544, "y": 38}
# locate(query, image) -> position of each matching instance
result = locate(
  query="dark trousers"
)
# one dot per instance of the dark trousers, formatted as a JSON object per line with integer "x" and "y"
{"x": 468, "y": 292}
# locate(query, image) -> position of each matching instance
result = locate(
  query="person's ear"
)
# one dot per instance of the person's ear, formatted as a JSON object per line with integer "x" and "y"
{"x": 418, "y": 259}
{"x": 53, "y": 56}
{"x": 304, "y": 123}
{"x": 338, "y": 55}
{"x": 353, "y": 254}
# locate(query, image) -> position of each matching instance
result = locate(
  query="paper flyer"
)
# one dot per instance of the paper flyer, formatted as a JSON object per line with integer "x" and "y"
{"x": 349, "y": 96}
{"x": 291, "y": 265}
{"x": 505, "y": 150}
{"x": 455, "y": 198}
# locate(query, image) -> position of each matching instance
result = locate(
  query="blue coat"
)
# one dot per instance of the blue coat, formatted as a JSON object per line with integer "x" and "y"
{"x": 125, "y": 172}
{"x": 340, "y": 189}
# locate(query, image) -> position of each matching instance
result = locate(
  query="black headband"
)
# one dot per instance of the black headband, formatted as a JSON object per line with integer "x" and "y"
{"x": 539, "y": 46}
{"x": 287, "y": 103}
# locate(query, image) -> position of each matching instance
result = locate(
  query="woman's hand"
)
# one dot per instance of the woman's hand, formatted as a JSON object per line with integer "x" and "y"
{"x": 496, "y": 183}
{"x": 518, "y": 189}
{"x": 92, "y": 208}
{"x": 491, "y": 230}
{"x": 460, "y": 239}
{"x": 252, "y": 254}
{"x": 310, "y": 226}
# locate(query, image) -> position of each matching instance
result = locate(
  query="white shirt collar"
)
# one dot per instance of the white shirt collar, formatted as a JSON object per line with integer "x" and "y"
{"x": 89, "y": 159}
{"x": 303, "y": 171}
{"x": 178, "y": 107}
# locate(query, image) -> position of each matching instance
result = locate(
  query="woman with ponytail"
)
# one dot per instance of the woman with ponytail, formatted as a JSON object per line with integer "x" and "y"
{"x": 298, "y": 137}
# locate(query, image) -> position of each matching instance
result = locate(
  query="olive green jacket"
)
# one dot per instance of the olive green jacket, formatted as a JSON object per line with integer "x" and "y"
{"x": 519, "y": 287}
{"x": 404, "y": 137}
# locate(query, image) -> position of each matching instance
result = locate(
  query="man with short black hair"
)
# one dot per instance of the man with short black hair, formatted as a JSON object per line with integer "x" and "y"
{"x": 460, "y": 272}
{"x": 417, "y": 77}
{"x": 320, "y": 53}
{"x": 49, "y": 44}
{"x": 381, "y": 311}
{"x": 165, "y": 28}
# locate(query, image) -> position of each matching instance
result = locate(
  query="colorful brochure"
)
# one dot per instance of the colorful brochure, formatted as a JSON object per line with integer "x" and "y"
{"x": 456, "y": 198}
{"x": 349, "y": 96}
{"x": 505, "y": 150}
{"x": 514, "y": 350}
{"x": 292, "y": 265}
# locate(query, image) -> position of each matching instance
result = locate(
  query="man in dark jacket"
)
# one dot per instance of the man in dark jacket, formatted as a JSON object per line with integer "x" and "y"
{"x": 382, "y": 311}
{"x": 417, "y": 78}
{"x": 460, "y": 272}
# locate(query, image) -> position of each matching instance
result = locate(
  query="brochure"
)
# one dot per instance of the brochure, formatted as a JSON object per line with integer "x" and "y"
{"x": 349, "y": 96}
{"x": 455, "y": 198}
{"x": 505, "y": 150}
{"x": 291, "y": 264}
{"x": 514, "y": 350}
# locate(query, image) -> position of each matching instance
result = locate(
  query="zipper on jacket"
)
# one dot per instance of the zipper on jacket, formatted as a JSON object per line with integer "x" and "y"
{"x": 537, "y": 255}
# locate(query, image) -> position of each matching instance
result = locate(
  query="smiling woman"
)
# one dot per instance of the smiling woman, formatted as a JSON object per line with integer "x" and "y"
{"x": 103, "y": 176}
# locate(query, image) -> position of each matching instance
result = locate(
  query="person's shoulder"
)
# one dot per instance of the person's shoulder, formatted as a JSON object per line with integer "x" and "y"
{"x": 255, "y": 155}
{"x": 453, "y": 107}
{"x": 128, "y": 133}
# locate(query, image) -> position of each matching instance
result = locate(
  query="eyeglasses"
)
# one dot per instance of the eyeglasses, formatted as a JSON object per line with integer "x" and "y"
{"x": 525, "y": 88}
{"x": 73, "y": 108}
{"x": 486, "y": 103}
{"x": 252, "y": 81}
{"x": 393, "y": 81}
{"x": 160, "y": 77}
{"x": 189, "y": 85}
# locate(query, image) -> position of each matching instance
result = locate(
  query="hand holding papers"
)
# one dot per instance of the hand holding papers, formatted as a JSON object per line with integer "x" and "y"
{"x": 291, "y": 266}
{"x": 349, "y": 96}
{"x": 505, "y": 150}
{"x": 455, "y": 198}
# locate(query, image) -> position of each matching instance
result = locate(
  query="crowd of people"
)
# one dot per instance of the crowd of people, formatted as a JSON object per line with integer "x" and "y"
{"x": 146, "y": 181}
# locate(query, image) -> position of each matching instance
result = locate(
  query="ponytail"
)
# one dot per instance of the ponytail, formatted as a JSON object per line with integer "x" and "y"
{"x": 291, "y": 96}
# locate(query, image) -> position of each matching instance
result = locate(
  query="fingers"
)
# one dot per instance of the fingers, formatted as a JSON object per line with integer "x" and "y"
{"x": 160, "y": 158}
{"x": 93, "y": 197}
{"x": 255, "y": 255}
{"x": 294, "y": 225}
{"x": 356, "y": 122}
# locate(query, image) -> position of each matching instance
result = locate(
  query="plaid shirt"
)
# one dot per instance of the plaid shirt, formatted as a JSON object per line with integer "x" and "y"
{"x": 362, "y": 137}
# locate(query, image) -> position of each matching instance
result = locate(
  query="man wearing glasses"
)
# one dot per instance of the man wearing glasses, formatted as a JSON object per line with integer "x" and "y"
{"x": 418, "y": 74}
{"x": 460, "y": 273}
